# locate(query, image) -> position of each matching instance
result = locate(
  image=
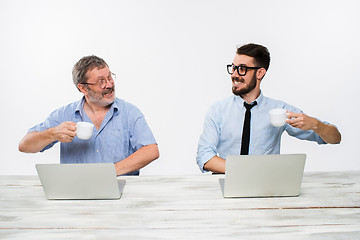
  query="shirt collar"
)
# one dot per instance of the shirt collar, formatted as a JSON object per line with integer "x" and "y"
{"x": 259, "y": 99}
{"x": 79, "y": 110}
{"x": 115, "y": 108}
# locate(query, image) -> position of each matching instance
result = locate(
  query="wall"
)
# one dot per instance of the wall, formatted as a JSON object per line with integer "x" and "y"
{"x": 170, "y": 58}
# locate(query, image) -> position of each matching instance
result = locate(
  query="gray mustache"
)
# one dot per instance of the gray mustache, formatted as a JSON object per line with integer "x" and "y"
{"x": 108, "y": 90}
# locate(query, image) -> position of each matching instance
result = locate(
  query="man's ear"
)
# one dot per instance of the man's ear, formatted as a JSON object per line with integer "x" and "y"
{"x": 81, "y": 88}
{"x": 260, "y": 73}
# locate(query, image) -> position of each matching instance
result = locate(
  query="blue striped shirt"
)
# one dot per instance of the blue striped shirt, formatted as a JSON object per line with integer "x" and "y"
{"x": 223, "y": 127}
{"x": 122, "y": 132}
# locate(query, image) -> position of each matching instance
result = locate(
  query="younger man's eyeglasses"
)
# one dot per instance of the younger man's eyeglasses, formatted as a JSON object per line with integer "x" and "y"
{"x": 241, "y": 70}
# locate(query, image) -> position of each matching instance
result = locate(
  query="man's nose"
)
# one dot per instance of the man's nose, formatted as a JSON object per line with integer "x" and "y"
{"x": 235, "y": 74}
{"x": 109, "y": 84}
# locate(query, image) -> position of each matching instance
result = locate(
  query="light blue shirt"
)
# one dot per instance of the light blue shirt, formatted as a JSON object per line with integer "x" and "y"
{"x": 122, "y": 132}
{"x": 223, "y": 128}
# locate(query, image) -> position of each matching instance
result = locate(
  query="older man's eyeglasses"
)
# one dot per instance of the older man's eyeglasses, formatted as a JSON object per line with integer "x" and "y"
{"x": 102, "y": 82}
{"x": 241, "y": 70}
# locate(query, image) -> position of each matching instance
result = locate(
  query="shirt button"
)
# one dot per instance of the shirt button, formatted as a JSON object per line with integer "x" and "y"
{"x": 97, "y": 150}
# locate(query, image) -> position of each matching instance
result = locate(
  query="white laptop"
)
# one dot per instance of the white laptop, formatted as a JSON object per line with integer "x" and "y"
{"x": 80, "y": 181}
{"x": 275, "y": 175}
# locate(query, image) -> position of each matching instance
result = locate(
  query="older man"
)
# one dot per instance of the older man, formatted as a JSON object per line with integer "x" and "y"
{"x": 120, "y": 136}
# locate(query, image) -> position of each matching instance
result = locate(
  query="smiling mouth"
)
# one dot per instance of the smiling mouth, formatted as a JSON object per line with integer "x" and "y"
{"x": 237, "y": 81}
{"x": 108, "y": 92}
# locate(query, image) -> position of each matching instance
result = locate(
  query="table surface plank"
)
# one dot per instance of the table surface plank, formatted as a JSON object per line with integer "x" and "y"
{"x": 189, "y": 207}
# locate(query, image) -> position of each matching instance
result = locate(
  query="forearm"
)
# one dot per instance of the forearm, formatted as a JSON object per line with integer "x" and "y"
{"x": 329, "y": 133}
{"x": 215, "y": 164}
{"x": 36, "y": 141}
{"x": 138, "y": 159}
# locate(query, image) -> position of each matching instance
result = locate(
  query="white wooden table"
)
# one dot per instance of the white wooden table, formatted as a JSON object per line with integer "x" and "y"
{"x": 184, "y": 207}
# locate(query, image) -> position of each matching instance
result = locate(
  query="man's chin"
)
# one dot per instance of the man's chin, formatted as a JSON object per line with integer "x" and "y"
{"x": 237, "y": 92}
{"x": 109, "y": 101}
{"x": 243, "y": 91}
{"x": 106, "y": 102}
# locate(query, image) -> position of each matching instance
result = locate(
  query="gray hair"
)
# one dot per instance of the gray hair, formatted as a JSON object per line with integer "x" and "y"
{"x": 84, "y": 65}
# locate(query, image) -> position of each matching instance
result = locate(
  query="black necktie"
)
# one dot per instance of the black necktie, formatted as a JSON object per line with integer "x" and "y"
{"x": 246, "y": 130}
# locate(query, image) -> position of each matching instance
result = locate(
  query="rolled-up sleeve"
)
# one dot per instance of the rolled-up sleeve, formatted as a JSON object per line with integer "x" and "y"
{"x": 140, "y": 134}
{"x": 209, "y": 139}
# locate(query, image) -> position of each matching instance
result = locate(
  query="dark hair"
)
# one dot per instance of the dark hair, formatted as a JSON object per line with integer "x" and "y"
{"x": 84, "y": 65}
{"x": 260, "y": 53}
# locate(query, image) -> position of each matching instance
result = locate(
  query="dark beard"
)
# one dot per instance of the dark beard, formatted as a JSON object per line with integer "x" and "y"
{"x": 245, "y": 90}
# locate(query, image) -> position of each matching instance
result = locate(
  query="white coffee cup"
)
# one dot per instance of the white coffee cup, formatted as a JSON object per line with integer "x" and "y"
{"x": 84, "y": 130}
{"x": 278, "y": 117}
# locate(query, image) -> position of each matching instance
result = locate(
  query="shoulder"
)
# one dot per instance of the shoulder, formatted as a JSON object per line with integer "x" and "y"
{"x": 276, "y": 103}
{"x": 272, "y": 101}
{"x": 221, "y": 107}
{"x": 66, "y": 110}
{"x": 223, "y": 103}
{"x": 121, "y": 103}
{"x": 126, "y": 108}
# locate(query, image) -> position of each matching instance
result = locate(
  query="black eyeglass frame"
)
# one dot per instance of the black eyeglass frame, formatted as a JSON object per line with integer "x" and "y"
{"x": 232, "y": 67}
{"x": 101, "y": 82}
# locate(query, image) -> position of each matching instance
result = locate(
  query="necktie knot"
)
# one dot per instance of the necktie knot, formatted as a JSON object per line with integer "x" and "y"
{"x": 250, "y": 106}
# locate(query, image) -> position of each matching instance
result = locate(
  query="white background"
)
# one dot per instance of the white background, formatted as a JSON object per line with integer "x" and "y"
{"x": 170, "y": 58}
